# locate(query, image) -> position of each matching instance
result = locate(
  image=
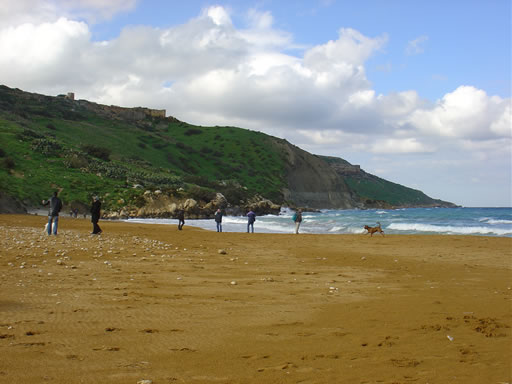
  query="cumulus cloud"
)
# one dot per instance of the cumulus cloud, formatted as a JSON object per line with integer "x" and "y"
{"x": 466, "y": 113}
{"x": 16, "y": 12}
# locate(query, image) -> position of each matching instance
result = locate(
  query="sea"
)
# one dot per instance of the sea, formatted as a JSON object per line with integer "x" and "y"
{"x": 441, "y": 221}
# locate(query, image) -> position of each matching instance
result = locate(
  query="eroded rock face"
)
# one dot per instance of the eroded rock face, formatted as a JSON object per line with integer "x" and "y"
{"x": 160, "y": 205}
{"x": 312, "y": 183}
{"x": 10, "y": 205}
{"x": 261, "y": 206}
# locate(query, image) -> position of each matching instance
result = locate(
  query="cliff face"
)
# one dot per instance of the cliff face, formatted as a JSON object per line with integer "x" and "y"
{"x": 311, "y": 182}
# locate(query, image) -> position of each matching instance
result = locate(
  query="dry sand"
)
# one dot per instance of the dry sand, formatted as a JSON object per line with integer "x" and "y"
{"x": 149, "y": 302}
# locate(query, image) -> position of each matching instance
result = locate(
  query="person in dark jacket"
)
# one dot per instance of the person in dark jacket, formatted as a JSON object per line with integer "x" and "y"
{"x": 181, "y": 219}
{"x": 218, "y": 220}
{"x": 53, "y": 213}
{"x": 95, "y": 215}
{"x": 250, "y": 222}
{"x": 297, "y": 218}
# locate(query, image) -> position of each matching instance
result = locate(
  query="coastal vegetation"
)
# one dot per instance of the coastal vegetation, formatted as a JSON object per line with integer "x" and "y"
{"x": 82, "y": 149}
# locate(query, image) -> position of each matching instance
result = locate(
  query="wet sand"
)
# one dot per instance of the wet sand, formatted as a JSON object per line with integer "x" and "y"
{"x": 149, "y": 302}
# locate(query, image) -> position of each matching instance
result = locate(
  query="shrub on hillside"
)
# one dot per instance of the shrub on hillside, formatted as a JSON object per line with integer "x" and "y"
{"x": 9, "y": 163}
{"x": 200, "y": 180}
{"x": 201, "y": 194}
{"x": 193, "y": 131}
{"x": 110, "y": 170}
{"x": 48, "y": 147}
{"x": 159, "y": 145}
{"x": 95, "y": 151}
{"x": 76, "y": 161}
{"x": 139, "y": 201}
{"x": 234, "y": 192}
{"x": 28, "y": 134}
{"x": 2, "y": 153}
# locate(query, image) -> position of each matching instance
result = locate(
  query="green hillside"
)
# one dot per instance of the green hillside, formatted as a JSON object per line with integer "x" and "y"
{"x": 371, "y": 188}
{"x": 51, "y": 142}
{"x": 83, "y": 149}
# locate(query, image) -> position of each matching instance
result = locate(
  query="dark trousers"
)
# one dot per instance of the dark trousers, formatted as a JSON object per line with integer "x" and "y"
{"x": 180, "y": 224}
{"x": 96, "y": 228}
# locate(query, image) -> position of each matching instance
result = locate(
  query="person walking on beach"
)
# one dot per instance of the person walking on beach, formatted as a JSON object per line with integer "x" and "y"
{"x": 181, "y": 219}
{"x": 218, "y": 220}
{"x": 53, "y": 213}
{"x": 297, "y": 218}
{"x": 95, "y": 215}
{"x": 250, "y": 222}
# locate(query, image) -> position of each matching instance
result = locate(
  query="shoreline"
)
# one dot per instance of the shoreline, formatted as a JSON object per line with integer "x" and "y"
{"x": 472, "y": 221}
{"x": 150, "y": 302}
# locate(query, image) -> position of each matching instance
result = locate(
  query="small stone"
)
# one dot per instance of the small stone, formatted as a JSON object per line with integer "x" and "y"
{"x": 145, "y": 381}
{"x": 222, "y": 251}
{"x": 233, "y": 283}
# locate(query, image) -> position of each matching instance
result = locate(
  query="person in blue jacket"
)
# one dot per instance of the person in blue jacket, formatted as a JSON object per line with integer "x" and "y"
{"x": 53, "y": 213}
{"x": 218, "y": 220}
{"x": 250, "y": 222}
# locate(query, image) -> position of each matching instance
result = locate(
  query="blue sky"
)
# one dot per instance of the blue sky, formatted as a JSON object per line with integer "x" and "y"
{"x": 460, "y": 41}
{"x": 415, "y": 92}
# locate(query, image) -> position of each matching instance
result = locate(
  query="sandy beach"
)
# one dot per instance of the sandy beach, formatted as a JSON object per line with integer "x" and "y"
{"x": 149, "y": 302}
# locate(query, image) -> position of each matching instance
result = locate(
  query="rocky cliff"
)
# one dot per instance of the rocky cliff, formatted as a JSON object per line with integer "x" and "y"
{"x": 313, "y": 183}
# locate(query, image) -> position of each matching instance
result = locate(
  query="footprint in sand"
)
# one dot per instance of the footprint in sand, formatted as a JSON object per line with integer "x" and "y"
{"x": 279, "y": 367}
{"x": 255, "y": 357}
{"x": 105, "y": 348}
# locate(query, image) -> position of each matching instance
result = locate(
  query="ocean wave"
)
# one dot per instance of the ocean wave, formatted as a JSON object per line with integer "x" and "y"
{"x": 493, "y": 221}
{"x": 355, "y": 230}
{"x": 488, "y": 222}
{"x": 447, "y": 229}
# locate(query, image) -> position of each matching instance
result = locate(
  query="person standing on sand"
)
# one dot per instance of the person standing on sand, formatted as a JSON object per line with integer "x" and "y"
{"x": 53, "y": 213}
{"x": 297, "y": 218}
{"x": 218, "y": 220}
{"x": 251, "y": 219}
{"x": 181, "y": 219}
{"x": 95, "y": 215}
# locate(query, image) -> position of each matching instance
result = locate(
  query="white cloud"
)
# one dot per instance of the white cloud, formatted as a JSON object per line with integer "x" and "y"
{"x": 218, "y": 15}
{"x": 351, "y": 49}
{"x": 415, "y": 47}
{"x": 466, "y": 113}
{"x": 16, "y": 12}
{"x": 396, "y": 146}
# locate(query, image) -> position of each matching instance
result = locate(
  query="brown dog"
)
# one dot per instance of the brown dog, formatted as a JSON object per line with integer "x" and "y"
{"x": 372, "y": 230}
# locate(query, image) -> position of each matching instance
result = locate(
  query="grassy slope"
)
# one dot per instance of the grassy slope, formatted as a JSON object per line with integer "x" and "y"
{"x": 371, "y": 187}
{"x": 167, "y": 153}
{"x": 157, "y": 153}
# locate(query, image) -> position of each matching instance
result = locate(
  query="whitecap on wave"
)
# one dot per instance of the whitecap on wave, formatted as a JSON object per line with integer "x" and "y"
{"x": 449, "y": 229}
